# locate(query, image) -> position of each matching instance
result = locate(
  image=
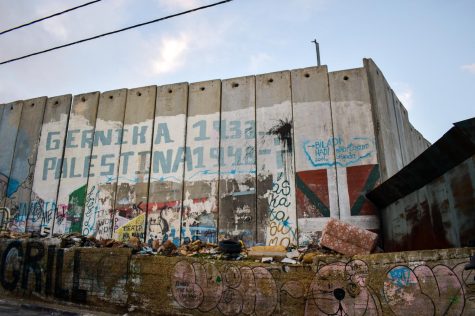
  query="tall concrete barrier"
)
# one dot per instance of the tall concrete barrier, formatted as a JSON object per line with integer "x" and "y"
{"x": 131, "y": 203}
{"x": 48, "y": 165}
{"x": 168, "y": 164}
{"x": 8, "y": 129}
{"x": 103, "y": 171}
{"x": 315, "y": 164}
{"x": 202, "y": 159}
{"x": 276, "y": 209}
{"x": 23, "y": 163}
{"x": 75, "y": 164}
{"x": 266, "y": 159}
{"x": 237, "y": 173}
{"x": 356, "y": 152}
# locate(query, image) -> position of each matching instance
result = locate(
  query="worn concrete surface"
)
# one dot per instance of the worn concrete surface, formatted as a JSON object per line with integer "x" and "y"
{"x": 103, "y": 169}
{"x": 168, "y": 164}
{"x": 111, "y": 280}
{"x": 134, "y": 169}
{"x": 8, "y": 129}
{"x": 75, "y": 164}
{"x": 23, "y": 163}
{"x": 200, "y": 200}
{"x": 237, "y": 181}
{"x": 356, "y": 152}
{"x": 276, "y": 209}
{"x": 265, "y": 158}
{"x": 315, "y": 165}
{"x": 48, "y": 164}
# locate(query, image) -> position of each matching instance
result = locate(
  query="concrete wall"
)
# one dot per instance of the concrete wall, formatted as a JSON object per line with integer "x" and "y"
{"x": 406, "y": 283}
{"x": 266, "y": 159}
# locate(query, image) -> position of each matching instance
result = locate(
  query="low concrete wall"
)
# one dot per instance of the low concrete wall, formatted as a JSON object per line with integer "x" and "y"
{"x": 424, "y": 282}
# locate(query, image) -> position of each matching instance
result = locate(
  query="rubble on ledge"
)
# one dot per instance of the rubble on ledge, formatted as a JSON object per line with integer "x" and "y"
{"x": 337, "y": 238}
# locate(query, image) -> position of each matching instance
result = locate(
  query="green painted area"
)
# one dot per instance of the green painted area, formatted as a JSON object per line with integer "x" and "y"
{"x": 76, "y": 203}
{"x": 312, "y": 196}
{"x": 369, "y": 185}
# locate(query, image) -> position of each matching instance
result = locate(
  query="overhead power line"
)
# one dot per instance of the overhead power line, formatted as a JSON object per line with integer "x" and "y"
{"x": 49, "y": 17}
{"x": 116, "y": 31}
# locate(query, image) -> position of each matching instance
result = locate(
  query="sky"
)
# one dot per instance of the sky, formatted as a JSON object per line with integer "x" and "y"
{"x": 425, "y": 48}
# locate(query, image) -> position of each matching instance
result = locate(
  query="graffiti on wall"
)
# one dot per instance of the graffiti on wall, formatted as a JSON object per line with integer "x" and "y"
{"x": 46, "y": 269}
{"x": 339, "y": 288}
{"x": 347, "y": 152}
{"x": 213, "y": 160}
{"x": 350, "y": 287}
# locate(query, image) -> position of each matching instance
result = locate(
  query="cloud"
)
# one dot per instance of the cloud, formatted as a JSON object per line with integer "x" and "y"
{"x": 469, "y": 67}
{"x": 405, "y": 94}
{"x": 171, "y": 53}
{"x": 258, "y": 62}
{"x": 179, "y": 4}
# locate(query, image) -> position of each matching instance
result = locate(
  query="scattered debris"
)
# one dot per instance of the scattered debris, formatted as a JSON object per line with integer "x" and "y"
{"x": 230, "y": 246}
{"x": 335, "y": 233}
{"x": 270, "y": 251}
{"x": 288, "y": 260}
{"x": 168, "y": 248}
{"x": 294, "y": 254}
{"x": 308, "y": 257}
{"x": 347, "y": 239}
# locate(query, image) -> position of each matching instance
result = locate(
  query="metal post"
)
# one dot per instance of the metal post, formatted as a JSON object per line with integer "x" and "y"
{"x": 317, "y": 48}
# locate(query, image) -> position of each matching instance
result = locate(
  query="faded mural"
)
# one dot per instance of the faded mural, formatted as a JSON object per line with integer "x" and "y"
{"x": 265, "y": 159}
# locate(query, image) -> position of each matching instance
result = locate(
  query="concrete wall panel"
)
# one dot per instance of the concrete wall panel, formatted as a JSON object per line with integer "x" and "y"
{"x": 389, "y": 149}
{"x": 168, "y": 157}
{"x": 316, "y": 187}
{"x": 276, "y": 205}
{"x": 406, "y": 148}
{"x": 75, "y": 164}
{"x": 48, "y": 165}
{"x": 355, "y": 146}
{"x": 23, "y": 164}
{"x": 8, "y": 129}
{"x": 237, "y": 187}
{"x": 102, "y": 180}
{"x": 200, "y": 204}
{"x": 134, "y": 169}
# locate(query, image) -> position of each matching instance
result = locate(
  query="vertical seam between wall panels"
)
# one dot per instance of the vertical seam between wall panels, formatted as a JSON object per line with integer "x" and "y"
{"x": 36, "y": 157}
{"x": 380, "y": 156}
{"x": 293, "y": 163}
{"x": 118, "y": 163}
{"x": 90, "y": 158}
{"x": 397, "y": 128}
{"x": 184, "y": 162}
{"x": 150, "y": 165}
{"x": 11, "y": 162}
{"x": 61, "y": 166}
{"x": 218, "y": 200}
{"x": 334, "y": 150}
{"x": 255, "y": 163}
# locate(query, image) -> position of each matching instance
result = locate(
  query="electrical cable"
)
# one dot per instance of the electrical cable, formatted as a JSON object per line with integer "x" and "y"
{"x": 114, "y": 32}
{"x": 49, "y": 16}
